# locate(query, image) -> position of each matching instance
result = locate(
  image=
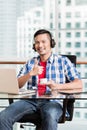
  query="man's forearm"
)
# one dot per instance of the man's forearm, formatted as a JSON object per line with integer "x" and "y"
{"x": 23, "y": 79}
{"x": 76, "y": 84}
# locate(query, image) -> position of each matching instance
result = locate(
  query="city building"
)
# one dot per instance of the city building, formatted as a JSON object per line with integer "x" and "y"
{"x": 72, "y": 38}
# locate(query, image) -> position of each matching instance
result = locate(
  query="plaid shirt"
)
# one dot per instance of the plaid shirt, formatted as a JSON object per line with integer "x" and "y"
{"x": 57, "y": 69}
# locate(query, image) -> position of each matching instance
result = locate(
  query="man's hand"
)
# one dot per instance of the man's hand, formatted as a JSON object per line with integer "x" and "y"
{"x": 36, "y": 69}
{"x": 51, "y": 84}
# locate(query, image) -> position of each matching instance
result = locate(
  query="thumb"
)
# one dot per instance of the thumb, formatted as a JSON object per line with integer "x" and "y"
{"x": 36, "y": 62}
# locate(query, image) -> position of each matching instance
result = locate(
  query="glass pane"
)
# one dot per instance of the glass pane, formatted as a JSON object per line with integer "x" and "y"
{"x": 19, "y": 19}
{"x": 73, "y": 19}
{"x": 77, "y": 44}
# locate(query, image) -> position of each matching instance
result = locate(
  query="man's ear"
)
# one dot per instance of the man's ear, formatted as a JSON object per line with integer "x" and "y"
{"x": 34, "y": 47}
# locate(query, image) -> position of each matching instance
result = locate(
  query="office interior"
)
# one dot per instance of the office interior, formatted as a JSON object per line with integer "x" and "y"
{"x": 66, "y": 19}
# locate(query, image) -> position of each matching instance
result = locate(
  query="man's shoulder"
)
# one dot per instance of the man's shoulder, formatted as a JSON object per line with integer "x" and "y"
{"x": 59, "y": 56}
{"x": 32, "y": 60}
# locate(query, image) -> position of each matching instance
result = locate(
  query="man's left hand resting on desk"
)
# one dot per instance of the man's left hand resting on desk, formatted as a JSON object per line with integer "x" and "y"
{"x": 76, "y": 84}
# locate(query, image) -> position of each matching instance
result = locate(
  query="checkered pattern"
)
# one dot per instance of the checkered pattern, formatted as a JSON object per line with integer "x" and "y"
{"x": 57, "y": 69}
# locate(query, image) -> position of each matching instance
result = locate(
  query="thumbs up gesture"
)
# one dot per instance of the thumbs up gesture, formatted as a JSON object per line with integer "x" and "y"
{"x": 37, "y": 69}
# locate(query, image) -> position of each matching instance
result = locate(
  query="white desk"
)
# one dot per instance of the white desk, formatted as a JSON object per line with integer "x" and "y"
{"x": 76, "y": 93}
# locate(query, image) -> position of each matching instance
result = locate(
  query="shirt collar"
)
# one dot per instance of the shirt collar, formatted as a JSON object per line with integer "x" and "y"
{"x": 50, "y": 59}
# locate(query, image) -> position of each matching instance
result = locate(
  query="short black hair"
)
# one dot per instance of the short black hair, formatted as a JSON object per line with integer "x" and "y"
{"x": 42, "y": 31}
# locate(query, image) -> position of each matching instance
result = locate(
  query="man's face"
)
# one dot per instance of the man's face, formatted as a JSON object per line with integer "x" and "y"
{"x": 42, "y": 44}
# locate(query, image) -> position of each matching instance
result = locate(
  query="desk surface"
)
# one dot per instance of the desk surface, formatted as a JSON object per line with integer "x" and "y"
{"x": 77, "y": 93}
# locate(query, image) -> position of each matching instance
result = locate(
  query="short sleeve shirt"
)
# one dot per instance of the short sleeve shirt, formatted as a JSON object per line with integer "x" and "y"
{"x": 58, "y": 67}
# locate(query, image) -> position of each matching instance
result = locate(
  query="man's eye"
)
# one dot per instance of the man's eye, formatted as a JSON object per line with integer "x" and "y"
{"x": 36, "y": 42}
{"x": 43, "y": 41}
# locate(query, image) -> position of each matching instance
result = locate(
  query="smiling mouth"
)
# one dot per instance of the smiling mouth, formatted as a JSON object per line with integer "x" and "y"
{"x": 40, "y": 50}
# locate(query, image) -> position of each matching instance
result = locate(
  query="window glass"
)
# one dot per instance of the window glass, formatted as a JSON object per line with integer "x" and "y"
{"x": 68, "y": 34}
{"x": 68, "y": 44}
{"x": 85, "y": 24}
{"x": 77, "y": 104}
{"x": 85, "y": 65}
{"x": 59, "y": 25}
{"x": 78, "y": 54}
{"x": 68, "y": 15}
{"x": 85, "y": 115}
{"x": 19, "y": 19}
{"x": 85, "y": 75}
{"x": 68, "y": 25}
{"x": 85, "y": 54}
{"x": 85, "y": 34}
{"x": 77, "y": 44}
{"x": 77, "y": 25}
{"x": 80, "y": 2}
{"x": 77, "y": 114}
{"x": 78, "y": 65}
{"x": 68, "y": 2}
{"x": 77, "y": 34}
{"x": 77, "y": 14}
{"x": 85, "y": 104}
{"x": 85, "y": 44}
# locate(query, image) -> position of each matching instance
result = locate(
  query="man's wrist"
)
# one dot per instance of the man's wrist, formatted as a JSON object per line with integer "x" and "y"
{"x": 53, "y": 86}
{"x": 30, "y": 74}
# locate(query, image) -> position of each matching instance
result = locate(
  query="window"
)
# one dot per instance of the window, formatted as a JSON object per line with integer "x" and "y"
{"x": 77, "y": 44}
{"x": 85, "y": 86}
{"x": 78, "y": 65}
{"x": 59, "y": 15}
{"x": 85, "y": 44}
{"x": 68, "y": 34}
{"x": 68, "y": 15}
{"x": 38, "y": 13}
{"x": 68, "y": 2}
{"x": 77, "y": 25}
{"x": 85, "y": 104}
{"x": 85, "y": 115}
{"x": 51, "y": 25}
{"x": 77, "y": 104}
{"x": 85, "y": 24}
{"x": 51, "y": 15}
{"x": 59, "y": 25}
{"x": 85, "y": 75}
{"x": 59, "y": 44}
{"x": 80, "y": 2}
{"x": 85, "y": 65}
{"x": 78, "y": 54}
{"x": 77, "y": 14}
{"x": 77, "y": 114}
{"x": 59, "y": 2}
{"x": 77, "y": 34}
{"x": 68, "y": 44}
{"x": 85, "y": 34}
{"x": 59, "y": 35}
{"x": 85, "y": 54}
{"x": 68, "y": 25}
{"x": 68, "y": 53}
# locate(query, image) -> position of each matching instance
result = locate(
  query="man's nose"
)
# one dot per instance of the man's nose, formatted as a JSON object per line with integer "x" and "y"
{"x": 40, "y": 44}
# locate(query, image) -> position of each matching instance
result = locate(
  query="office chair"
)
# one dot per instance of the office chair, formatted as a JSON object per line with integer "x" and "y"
{"x": 68, "y": 105}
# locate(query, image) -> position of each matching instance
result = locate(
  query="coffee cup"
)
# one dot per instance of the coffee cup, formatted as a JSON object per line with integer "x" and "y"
{"x": 43, "y": 80}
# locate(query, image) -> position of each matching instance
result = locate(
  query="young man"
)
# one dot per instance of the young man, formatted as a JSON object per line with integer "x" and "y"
{"x": 55, "y": 68}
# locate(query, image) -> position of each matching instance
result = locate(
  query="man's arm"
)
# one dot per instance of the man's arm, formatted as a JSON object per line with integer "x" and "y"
{"x": 23, "y": 79}
{"x": 75, "y": 84}
{"x": 35, "y": 71}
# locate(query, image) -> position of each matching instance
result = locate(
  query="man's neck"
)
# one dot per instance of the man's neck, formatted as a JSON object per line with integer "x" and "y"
{"x": 44, "y": 58}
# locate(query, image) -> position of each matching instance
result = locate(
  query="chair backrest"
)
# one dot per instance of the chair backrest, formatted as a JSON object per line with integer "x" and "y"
{"x": 72, "y": 58}
{"x": 68, "y": 104}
